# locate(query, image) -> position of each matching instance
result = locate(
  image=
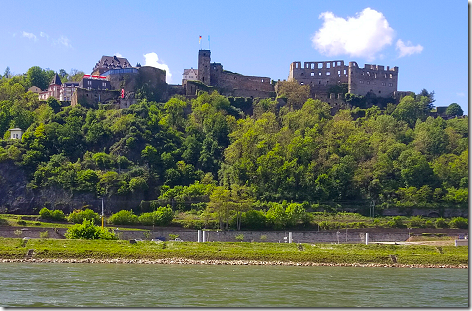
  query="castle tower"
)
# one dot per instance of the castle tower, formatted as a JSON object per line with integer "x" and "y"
{"x": 204, "y": 66}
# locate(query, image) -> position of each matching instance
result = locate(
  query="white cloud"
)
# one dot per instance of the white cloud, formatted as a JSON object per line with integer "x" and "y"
{"x": 44, "y": 35}
{"x": 118, "y": 54}
{"x": 151, "y": 59}
{"x": 362, "y": 36}
{"x": 64, "y": 41}
{"x": 30, "y": 36}
{"x": 408, "y": 48}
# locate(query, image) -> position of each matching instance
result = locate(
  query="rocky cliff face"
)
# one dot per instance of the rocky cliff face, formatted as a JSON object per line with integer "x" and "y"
{"x": 14, "y": 195}
{"x": 17, "y": 198}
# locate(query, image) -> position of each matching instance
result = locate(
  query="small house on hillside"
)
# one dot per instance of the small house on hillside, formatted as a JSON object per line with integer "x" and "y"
{"x": 16, "y": 133}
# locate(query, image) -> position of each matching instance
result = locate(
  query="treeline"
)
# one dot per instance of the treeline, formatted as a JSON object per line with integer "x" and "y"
{"x": 197, "y": 154}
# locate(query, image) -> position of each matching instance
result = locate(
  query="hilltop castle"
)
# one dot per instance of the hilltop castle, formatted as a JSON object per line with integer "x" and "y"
{"x": 114, "y": 80}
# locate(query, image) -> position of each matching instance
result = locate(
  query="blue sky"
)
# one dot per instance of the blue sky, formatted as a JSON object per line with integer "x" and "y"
{"x": 427, "y": 40}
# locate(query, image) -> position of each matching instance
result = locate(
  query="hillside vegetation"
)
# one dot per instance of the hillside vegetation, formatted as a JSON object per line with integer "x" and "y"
{"x": 206, "y": 156}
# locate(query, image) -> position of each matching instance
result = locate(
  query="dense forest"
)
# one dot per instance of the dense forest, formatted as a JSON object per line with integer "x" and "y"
{"x": 205, "y": 153}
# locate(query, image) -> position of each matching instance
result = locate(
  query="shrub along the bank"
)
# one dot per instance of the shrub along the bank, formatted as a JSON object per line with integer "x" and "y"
{"x": 88, "y": 230}
{"x": 123, "y": 217}
{"x": 48, "y": 214}
{"x": 78, "y": 216}
{"x": 459, "y": 223}
{"x": 160, "y": 217}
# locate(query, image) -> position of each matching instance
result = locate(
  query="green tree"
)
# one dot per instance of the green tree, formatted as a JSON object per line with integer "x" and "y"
{"x": 36, "y": 76}
{"x": 295, "y": 93}
{"x": 54, "y": 104}
{"x": 454, "y": 110}
{"x": 410, "y": 109}
{"x": 221, "y": 206}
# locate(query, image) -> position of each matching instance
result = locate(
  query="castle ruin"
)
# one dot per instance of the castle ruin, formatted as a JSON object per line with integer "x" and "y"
{"x": 321, "y": 76}
{"x": 226, "y": 82}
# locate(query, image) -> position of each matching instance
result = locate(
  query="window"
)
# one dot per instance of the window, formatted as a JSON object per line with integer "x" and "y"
{"x": 320, "y": 65}
{"x": 319, "y": 74}
{"x": 312, "y": 74}
{"x": 368, "y": 82}
{"x": 328, "y": 73}
{"x": 361, "y": 82}
{"x": 390, "y": 84}
{"x": 383, "y": 84}
{"x": 328, "y": 65}
{"x": 312, "y": 66}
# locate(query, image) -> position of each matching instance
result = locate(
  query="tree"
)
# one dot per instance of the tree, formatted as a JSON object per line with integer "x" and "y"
{"x": 454, "y": 110}
{"x": 410, "y": 109}
{"x": 429, "y": 97}
{"x": 7, "y": 73}
{"x": 220, "y": 204}
{"x": 54, "y": 104}
{"x": 36, "y": 76}
{"x": 295, "y": 93}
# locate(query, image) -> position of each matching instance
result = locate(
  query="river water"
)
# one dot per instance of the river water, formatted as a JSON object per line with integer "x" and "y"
{"x": 134, "y": 285}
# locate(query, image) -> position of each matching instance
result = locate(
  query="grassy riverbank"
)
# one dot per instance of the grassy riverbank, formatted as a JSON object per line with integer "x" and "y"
{"x": 14, "y": 248}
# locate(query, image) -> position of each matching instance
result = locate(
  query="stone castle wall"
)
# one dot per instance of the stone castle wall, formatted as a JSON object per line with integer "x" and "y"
{"x": 320, "y": 76}
{"x": 372, "y": 78}
{"x": 229, "y": 83}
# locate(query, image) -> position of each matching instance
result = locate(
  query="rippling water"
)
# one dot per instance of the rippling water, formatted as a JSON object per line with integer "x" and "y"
{"x": 128, "y": 285}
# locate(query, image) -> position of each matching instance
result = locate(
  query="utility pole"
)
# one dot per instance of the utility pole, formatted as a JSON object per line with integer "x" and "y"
{"x": 103, "y": 215}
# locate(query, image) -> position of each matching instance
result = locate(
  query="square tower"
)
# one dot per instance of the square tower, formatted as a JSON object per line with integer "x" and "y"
{"x": 204, "y": 66}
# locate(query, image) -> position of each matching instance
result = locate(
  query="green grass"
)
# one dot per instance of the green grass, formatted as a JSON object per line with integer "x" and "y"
{"x": 34, "y": 221}
{"x": 13, "y": 248}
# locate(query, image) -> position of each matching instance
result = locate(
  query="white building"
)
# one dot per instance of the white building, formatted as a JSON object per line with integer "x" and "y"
{"x": 58, "y": 90}
{"x": 16, "y": 133}
{"x": 189, "y": 75}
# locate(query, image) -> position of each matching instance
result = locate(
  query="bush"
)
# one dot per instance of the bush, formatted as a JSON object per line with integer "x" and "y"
{"x": 396, "y": 222}
{"x": 253, "y": 219}
{"x": 359, "y": 224}
{"x": 78, "y": 216}
{"x": 87, "y": 230}
{"x": 459, "y": 223}
{"x": 441, "y": 223}
{"x": 44, "y": 235}
{"x": 57, "y": 215}
{"x": 161, "y": 217}
{"x": 239, "y": 237}
{"x": 21, "y": 222}
{"x": 417, "y": 222}
{"x": 45, "y": 213}
{"x": 123, "y": 217}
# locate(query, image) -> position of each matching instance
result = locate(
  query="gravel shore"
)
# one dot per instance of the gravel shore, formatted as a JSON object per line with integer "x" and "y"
{"x": 185, "y": 261}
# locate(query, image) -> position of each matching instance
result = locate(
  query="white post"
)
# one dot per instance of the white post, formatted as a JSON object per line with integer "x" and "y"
{"x": 199, "y": 236}
{"x": 290, "y": 237}
{"x": 204, "y": 236}
{"x": 366, "y": 238}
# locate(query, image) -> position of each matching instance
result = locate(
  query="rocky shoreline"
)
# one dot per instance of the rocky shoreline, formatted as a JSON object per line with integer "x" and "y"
{"x": 186, "y": 261}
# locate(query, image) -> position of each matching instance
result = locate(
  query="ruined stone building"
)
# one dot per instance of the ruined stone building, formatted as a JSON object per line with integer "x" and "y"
{"x": 321, "y": 76}
{"x": 226, "y": 82}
